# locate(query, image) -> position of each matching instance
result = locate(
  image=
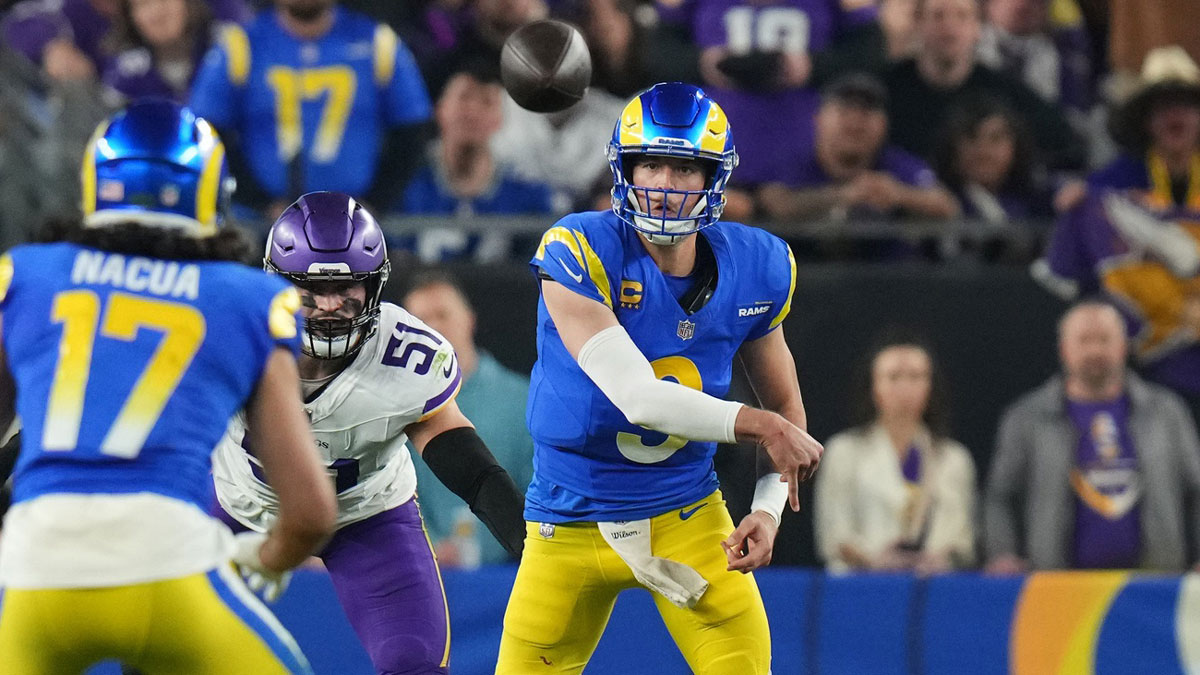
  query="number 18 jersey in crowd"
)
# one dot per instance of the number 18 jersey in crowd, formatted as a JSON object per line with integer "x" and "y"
{"x": 405, "y": 373}
{"x": 590, "y": 462}
{"x": 128, "y": 369}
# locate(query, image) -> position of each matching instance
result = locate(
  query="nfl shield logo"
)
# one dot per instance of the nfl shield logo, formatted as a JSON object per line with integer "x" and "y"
{"x": 546, "y": 530}
{"x": 686, "y": 330}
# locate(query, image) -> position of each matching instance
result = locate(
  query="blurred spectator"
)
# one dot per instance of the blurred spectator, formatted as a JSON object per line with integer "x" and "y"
{"x": 850, "y": 171}
{"x": 758, "y": 60}
{"x": 987, "y": 159}
{"x": 66, "y": 37}
{"x": 1095, "y": 468}
{"x": 1158, "y": 128}
{"x": 462, "y": 177}
{"x": 1138, "y": 27}
{"x": 312, "y": 96}
{"x": 898, "y": 20}
{"x": 629, "y": 50}
{"x": 945, "y": 70}
{"x": 493, "y": 397}
{"x": 1050, "y": 55}
{"x": 157, "y": 47}
{"x": 1146, "y": 259}
{"x": 431, "y": 29}
{"x": 894, "y": 492}
{"x": 489, "y": 24}
{"x": 564, "y": 150}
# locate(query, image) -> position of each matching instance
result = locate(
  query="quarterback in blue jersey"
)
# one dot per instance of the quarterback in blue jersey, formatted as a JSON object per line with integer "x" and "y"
{"x": 643, "y": 310}
{"x": 129, "y": 341}
{"x": 312, "y": 96}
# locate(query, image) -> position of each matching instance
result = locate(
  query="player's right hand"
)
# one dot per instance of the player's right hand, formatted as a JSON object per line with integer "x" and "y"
{"x": 793, "y": 451}
{"x": 259, "y": 578}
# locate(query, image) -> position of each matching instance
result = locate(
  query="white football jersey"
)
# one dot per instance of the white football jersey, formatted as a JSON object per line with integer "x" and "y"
{"x": 405, "y": 373}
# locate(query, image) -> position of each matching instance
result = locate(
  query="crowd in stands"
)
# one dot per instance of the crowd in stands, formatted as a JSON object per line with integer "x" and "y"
{"x": 1072, "y": 123}
{"x": 1006, "y": 113}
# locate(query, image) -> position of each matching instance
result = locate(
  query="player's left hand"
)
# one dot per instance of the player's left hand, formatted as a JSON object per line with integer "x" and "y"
{"x": 751, "y": 544}
{"x": 259, "y": 578}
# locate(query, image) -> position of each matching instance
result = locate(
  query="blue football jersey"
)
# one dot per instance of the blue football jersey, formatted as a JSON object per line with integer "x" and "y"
{"x": 590, "y": 462}
{"x": 321, "y": 106}
{"x": 128, "y": 368}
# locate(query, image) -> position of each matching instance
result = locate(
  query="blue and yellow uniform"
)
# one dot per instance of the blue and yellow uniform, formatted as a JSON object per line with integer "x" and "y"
{"x": 127, "y": 369}
{"x": 312, "y": 110}
{"x": 592, "y": 465}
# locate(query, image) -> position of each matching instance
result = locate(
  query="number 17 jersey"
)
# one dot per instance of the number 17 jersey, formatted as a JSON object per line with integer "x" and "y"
{"x": 127, "y": 370}
{"x": 590, "y": 462}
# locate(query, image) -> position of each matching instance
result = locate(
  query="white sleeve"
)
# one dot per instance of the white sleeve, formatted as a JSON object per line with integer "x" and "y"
{"x": 621, "y": 371}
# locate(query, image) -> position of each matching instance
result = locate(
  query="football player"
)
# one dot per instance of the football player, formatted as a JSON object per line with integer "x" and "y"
{"x": 373, "y": 376}
{"x": 643, "y": 310}
{"x": 128, "y": 343}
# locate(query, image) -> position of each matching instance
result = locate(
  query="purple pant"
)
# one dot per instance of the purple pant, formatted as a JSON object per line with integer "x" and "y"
{"x": 387, "y": 580}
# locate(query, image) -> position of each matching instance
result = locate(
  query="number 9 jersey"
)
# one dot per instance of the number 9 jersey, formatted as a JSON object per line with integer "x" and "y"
{"x": 127, "y": 370}
{"x": 591, "y": 463}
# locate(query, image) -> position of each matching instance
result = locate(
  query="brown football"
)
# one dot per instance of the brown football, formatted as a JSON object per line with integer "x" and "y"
{"x": 545, "y": 66}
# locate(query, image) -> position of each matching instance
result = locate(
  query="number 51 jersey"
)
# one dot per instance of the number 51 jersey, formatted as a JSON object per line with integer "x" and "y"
{"x": 127, "y": 370}
{"x": 405, "y": 373}
{"x": 590, "y": 462}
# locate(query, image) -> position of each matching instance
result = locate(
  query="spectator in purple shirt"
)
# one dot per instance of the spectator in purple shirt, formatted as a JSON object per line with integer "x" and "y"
{"x": 850, "y": 170}
{"x": 63, "y": 37}
{"x": 158, "y": 45}
{"x": 66, "y": 37}
{"x": 1095, "y": 468}
{"x": 758, "y": 58}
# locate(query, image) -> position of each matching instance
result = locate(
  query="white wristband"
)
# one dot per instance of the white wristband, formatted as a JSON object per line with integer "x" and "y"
{"x": 770, "y": 495}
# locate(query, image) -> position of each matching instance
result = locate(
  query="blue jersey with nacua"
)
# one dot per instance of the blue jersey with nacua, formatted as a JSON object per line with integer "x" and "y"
{"x": 128, "y": 368}
{"x": 590, "y": 462}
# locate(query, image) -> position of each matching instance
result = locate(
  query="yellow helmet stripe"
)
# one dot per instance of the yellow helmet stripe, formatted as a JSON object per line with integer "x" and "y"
{"x": 716, "y": 131}
{"x": 632, "y": 124}
{"x": 206, "y": 190}
{"x": 87, "y": 171}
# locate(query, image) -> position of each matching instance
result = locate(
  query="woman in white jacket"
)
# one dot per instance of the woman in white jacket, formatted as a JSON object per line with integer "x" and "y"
{"x": 894, "y": 492}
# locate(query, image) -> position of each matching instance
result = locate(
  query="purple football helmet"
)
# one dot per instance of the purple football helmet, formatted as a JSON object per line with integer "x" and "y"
{"x": 328, "y": 236}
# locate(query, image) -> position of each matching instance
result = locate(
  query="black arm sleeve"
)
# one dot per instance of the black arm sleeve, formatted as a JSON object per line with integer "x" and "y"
{"x": 8, "y": 460}
{"x": 463, "y": 463}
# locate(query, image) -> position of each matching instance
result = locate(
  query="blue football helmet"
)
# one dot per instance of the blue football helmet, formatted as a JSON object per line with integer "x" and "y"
{"x": 158, "y": 164}
{"x": 671, "y": 119}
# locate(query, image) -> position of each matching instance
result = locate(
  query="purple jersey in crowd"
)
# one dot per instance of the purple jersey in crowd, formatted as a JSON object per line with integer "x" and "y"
{"x": 1107, "y": 487}
{"x": 1086, "y": 251}
{"x": 32, "y": 24}
{"x": 133, "y": 74}
{"x": 773, "y": 129}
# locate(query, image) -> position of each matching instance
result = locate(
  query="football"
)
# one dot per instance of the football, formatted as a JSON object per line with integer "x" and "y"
{"x": 545, "y": 66}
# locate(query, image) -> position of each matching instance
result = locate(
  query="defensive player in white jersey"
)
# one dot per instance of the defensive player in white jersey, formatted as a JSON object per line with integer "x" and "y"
{"x": 374, "y": 376}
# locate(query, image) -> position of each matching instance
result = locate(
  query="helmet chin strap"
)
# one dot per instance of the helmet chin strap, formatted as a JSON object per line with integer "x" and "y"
{"x": 665, "y": 238}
